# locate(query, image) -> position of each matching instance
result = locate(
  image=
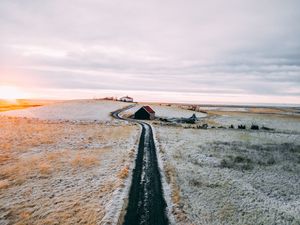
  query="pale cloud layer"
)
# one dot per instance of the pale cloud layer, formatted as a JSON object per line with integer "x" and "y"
{"x": 177, "y": 50}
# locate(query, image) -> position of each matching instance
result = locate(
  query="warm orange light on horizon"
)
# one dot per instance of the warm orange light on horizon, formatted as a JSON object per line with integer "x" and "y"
{"x": 11, "y": 93}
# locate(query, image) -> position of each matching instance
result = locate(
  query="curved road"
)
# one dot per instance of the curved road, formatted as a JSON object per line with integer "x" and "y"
{"x": 146, "y": 204}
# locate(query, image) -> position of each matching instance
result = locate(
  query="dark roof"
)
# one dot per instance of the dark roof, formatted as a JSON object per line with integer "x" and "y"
{"x": 127, "y": 97}
{"x": 148, "y": 109}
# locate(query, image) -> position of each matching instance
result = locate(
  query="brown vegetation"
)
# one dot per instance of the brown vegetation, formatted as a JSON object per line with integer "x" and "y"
{"x": 6, "y": 105}
{"x": 82, "y": 160}
{"x": 32, "y": 150}
{"x": 124, "y": 173}
{"x": 4, "y": 184}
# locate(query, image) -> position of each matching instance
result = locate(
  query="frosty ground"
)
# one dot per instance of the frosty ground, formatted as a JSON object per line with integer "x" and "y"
{"x": 66, "y": 163}
{"x": 233, "y": 176}
{"x": 71, "y": 163}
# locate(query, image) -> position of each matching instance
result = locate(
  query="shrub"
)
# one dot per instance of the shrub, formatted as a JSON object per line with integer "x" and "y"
{"x": 271, "y": 161}
{"x": 195, "y": 183}
{"x": 84, "y": 161}
{"x": 124, "y": 173}
{"x": 226, "y": 164}
{"x": 254, "y": 127}
{"x": 241, "y": 159}
{"x": 237, "y": 162}
{"x": 242, "y": 127}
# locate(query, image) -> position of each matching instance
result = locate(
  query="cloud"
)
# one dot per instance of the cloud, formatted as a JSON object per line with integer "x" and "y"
{"x": 200, "y": 47}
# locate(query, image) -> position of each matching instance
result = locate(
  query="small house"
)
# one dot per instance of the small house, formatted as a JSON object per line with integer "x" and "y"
{"x": 145, "y": 113}
{"x": 126, "y": 99}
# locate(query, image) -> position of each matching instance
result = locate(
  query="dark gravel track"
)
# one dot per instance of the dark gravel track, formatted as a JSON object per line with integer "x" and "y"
{"x": 146, "y": 204}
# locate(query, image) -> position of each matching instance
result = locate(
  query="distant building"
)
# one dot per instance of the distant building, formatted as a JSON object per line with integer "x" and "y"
{"x": 126, "y": 99}
{"x": 145, "y": 113}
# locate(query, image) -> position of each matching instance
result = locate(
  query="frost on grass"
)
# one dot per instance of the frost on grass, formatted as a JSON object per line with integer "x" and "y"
{"x": 61, "y": 172}
{"x": 231, "y": 176}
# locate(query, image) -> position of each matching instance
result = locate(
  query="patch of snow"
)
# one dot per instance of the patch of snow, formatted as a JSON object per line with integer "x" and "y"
{"x": 86, "y": 110}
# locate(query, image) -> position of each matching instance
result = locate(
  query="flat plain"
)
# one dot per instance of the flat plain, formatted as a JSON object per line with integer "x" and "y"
{"x": 71, "y": 163}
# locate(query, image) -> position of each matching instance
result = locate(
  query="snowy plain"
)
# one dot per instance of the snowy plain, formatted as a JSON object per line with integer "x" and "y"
{"x": 231, "y": 176}
{"x": 83, "y": 110}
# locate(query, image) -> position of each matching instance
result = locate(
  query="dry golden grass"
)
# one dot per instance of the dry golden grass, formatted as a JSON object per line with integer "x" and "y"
{"x": 124, "y": 173}
{"x": 78, "y": 213}
{"x": 211, "y": 122}
{"x": 31, "y": 149}
{"x": 171, "y": 179}
{"x": 82, "y": 160}
{"x": 19, "y": 134}
{"x": 116, "y": 133}
{"x": 131, "y": 153}
{"x": 176, "y": 195}
{"x": 44, "y": 168}
{"x": 265, "y": 110}
{"x": 56, "y": 156}
{"x": 169, "y": 171}
{"x": 6, "y": 105}
{"x": 4, "y": 184}
{"x": 106, "y": 187}
{"x": 4, "y": 157}
{"x": 25, "y": 215}
{"x": 21, "y": 170}
{"x": 6, "y": 146}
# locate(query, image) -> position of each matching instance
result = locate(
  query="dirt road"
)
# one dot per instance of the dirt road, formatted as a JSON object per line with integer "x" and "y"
{"x": 146, "y": 204}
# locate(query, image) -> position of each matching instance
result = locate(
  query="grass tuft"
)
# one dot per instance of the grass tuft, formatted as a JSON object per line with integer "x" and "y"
{"x": 44, "y": 168}
{"x": 124, "y": 173}
{"x": 86, "y": 161}
{"x": 4, "y": 184}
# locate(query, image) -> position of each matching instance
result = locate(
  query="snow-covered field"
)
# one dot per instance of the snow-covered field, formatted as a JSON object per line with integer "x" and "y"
{"x": 165, "y": 111}
{"x": 226, "y": 176}
{"x": 68, "y": 169}
{"x": 274, "y": 121}
{"x": 71, "y": 110}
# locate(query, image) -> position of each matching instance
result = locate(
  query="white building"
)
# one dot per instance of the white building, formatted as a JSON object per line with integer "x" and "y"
{"x": 126, "y": 99}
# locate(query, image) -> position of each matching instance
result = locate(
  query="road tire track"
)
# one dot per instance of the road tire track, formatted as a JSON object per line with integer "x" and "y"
{"x": 146, "y": 203}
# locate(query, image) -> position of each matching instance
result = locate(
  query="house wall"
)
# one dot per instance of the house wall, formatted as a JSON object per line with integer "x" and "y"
{"x": 142, "y": 114}
{"x": 152, "y": 116}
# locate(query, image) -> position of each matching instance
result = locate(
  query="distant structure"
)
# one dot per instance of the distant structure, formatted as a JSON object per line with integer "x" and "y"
{"x": 192, "y": 119}
{"x": 126, "y": 99}
{"x": 145, "y": 113}
{"x": 106, "y": 98}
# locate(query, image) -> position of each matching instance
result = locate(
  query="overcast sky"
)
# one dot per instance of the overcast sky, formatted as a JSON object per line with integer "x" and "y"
{"x": 160, "y": 50}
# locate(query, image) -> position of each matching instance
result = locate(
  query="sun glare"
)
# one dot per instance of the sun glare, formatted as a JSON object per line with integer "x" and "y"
{"x": 11, "y": 93}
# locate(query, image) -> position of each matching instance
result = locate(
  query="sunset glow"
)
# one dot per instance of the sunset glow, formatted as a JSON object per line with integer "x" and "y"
{"x": 11, "y": 93}
{"x": 189, "y": 52}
